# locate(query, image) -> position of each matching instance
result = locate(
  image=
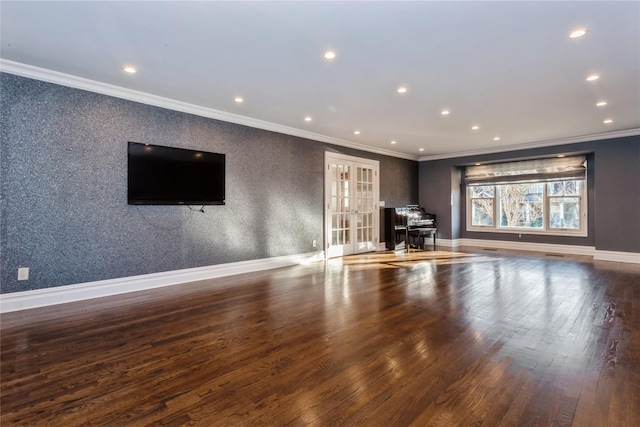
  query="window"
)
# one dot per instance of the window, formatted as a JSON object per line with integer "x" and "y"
{"x": 528, "y": 196}
{"x": 564, "y": 204}
{"x": 482, "y": 205}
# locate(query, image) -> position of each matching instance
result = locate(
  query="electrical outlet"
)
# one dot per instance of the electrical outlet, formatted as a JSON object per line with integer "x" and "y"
{"x": 314, "y": 243}
{"x": 23, "y": 273}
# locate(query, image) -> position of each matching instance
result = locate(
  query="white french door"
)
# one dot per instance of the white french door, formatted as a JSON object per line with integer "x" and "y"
{"x": 352, "y": 192}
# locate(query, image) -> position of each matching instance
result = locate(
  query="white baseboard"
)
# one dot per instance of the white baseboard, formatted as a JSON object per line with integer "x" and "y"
{"x": 78, "y": 292}
{"x": 600, "y": 255}
{"x": 63, "y": 294}
{"x": 631, "y": 257}
{"x": 449, "y": 243}
{"x": 526, "y": 246}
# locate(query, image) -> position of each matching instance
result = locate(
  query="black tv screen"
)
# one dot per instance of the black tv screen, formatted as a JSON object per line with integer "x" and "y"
{"x": 174, "y": 176}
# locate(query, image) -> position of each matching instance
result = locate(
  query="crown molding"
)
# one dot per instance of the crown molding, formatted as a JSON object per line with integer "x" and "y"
{"x": 50, "y": 76}
{"x": 538, "y": 144}
{"x": 43, "y": 74}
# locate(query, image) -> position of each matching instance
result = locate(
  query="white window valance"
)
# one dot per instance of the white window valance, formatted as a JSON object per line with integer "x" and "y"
{"x": 537, "y": 170}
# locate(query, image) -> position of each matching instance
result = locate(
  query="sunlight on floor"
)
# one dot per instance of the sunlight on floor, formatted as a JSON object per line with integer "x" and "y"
{"x": 385, "y": 260}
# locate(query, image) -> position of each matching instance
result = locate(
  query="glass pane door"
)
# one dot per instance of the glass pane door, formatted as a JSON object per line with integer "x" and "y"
{"x": 352, "y": 206}
{"x": 364, "y": 209}
{"x": 340, "y": 204}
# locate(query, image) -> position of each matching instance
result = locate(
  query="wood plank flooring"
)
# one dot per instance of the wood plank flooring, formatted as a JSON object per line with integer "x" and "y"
{"x": 431, "y": 338}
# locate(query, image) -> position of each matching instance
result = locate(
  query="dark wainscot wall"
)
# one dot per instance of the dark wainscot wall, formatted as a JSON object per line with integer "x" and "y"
{"x": 613, "y": 178}
{"x": 64, "y": 189}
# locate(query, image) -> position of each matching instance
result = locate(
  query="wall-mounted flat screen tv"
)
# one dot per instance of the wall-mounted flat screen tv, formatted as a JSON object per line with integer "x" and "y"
{"x": 174, "y": 176}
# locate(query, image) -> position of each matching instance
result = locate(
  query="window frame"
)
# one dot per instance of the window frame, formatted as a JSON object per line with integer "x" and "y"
{"x": 547, "y": 198}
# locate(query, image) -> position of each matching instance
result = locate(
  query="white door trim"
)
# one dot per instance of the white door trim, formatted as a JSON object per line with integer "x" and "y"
{"x": 355, "y": 161}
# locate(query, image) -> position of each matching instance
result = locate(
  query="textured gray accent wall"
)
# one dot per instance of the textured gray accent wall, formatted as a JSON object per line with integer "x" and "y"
{"x": 617, "y": 195}
{"x": 64, "y": 189}
{"x": 613, "y": 178}
{"x": 435, "y": 194}
{"x": 457, "y": 193}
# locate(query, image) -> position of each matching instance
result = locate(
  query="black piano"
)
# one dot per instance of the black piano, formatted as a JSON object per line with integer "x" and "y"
{"x": 408, "y": 227}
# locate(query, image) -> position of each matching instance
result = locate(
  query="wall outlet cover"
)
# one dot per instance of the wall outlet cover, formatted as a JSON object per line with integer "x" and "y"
{"x": 23, "y": 273}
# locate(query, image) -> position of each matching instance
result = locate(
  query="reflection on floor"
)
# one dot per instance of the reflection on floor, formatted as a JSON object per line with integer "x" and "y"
{"x": 465, "y": 337}
{"x": 395, "y": 259}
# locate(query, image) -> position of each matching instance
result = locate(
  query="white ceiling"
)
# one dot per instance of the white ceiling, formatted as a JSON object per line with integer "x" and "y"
{"x": 508, "y": 67}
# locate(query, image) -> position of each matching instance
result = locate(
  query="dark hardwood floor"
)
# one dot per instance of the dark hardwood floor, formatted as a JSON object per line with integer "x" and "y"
{"x": 429, "y": 338}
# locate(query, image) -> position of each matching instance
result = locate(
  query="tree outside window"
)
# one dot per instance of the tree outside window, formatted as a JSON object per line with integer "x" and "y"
{"x": 482, "y": 205}
{"x": 553, "y": 206}
{"x": 521, "y": 205}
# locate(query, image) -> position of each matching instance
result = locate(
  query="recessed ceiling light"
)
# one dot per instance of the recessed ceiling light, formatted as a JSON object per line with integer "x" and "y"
{"x": 445, "y": 112}
{"x": 329, "y": 54}
{"x": 130, "y": 70}
{"x": 475, "y": 127}
{"x": 601, "y": 104}
{"x": 420, "y": 149}
{"x": 393, "y": 142}
{"x": 478, "y": 164}
{"x": 356, "y": 132}
{"x": 592, "y": 77}
{"x": 238, "y": 99}
{"x": 307, "y": 119}
{"x": 560, "y": 155}
{"x": 402, "y": 89}
{"x": 607, "y": 121}
{"x": 578, "y": 33}
{"x": 497, "y": 138}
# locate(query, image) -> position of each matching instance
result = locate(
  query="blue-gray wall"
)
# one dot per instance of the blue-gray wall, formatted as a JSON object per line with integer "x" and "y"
{"x": 64, "y": 211}
{"x": 613, "y": 178}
